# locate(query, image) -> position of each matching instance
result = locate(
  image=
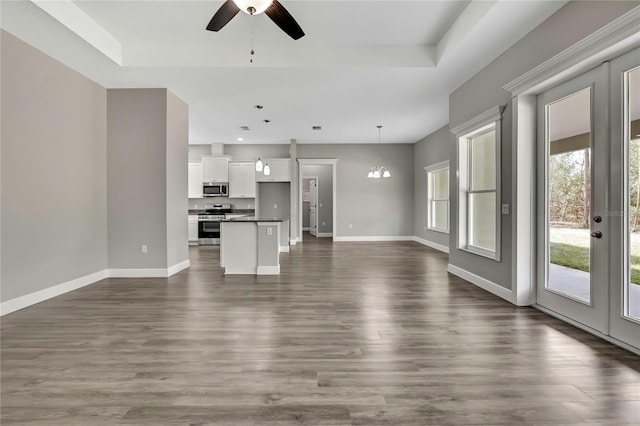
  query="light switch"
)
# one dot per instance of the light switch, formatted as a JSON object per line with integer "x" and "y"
{"x": 506, "y": 209}
{"x": 275, "y": 206}
{"x": 269, "y": 230}
{"x": 320, "y": 204}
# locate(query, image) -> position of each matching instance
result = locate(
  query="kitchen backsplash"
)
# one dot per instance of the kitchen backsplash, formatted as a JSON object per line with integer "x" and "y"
{"x": 237, "y": 203}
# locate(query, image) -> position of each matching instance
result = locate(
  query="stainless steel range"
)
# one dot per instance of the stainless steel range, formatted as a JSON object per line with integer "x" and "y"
{"x": 209, "y": 224}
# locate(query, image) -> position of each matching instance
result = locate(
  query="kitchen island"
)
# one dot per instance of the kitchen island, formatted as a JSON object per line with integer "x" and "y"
{"x": 250, "y": 245}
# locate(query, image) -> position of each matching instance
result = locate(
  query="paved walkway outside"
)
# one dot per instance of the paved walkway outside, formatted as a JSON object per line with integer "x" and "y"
{"x": 576, "y": 283}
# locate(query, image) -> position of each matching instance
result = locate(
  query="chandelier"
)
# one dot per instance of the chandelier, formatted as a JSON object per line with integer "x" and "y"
{"x": 379, "y": 171}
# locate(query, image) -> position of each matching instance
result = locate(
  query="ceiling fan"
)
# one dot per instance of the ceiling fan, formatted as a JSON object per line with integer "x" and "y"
{"x": 272, "y": 8}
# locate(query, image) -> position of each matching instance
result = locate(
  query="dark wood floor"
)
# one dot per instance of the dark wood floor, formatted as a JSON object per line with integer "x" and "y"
{"x": 348, "y": 334}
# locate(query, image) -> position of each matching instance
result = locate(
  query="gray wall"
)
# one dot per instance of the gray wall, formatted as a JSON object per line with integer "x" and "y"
{"x": 250, "y": 152}
{"x": 325, "y": 194}
{"x": 270, "y": 193}
{"x": 435, "y": 148}
{"x": 375, "y": 207}
{"x": 176, "y": 166}
{"x": 137, "y": 177}
{"x": 53, "y": 166}
{"x": 570, "y": 24}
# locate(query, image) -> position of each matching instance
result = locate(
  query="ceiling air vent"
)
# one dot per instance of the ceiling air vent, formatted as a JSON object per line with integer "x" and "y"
{"x": 244, "y": 127}
{"x": 317, "y": 127}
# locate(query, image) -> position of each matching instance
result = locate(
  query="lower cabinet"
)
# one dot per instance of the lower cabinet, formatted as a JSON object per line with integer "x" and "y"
{"x": 193, "y": 228}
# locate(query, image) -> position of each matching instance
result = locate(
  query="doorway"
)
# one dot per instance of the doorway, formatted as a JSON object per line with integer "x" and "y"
{"x": 589, "y": 199}
{"x": 310, "y": 205}
{"x": 323, "y": 172}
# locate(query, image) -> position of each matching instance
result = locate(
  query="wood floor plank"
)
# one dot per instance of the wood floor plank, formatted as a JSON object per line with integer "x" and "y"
{"x": 347, "y": 334}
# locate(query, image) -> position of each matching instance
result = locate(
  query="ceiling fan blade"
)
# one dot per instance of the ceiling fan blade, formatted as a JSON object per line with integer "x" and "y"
{"x": 282, "y": 18}
{"x": 222, "y": 17}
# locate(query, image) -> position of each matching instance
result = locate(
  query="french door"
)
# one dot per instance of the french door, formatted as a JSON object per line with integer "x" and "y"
{"x": 588, "y": 199}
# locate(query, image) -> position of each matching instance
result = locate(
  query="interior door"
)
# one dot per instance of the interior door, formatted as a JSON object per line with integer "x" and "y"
{"x": 573, "y": 237}
{"x": 624, "y": 211}
{"x": 313, "y": 207}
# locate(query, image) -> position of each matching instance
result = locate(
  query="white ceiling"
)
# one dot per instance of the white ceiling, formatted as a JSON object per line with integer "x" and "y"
{"x": 361, "y": 63}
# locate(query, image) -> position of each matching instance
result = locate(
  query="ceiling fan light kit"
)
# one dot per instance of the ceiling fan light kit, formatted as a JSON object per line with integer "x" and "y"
{"x": 253, "y": 7}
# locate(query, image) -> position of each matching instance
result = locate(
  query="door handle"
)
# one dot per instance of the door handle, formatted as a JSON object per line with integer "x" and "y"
{"x": 596, "y": 234}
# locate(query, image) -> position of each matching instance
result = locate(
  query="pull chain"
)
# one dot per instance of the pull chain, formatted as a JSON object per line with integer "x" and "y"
{"x": 252, "y": 51}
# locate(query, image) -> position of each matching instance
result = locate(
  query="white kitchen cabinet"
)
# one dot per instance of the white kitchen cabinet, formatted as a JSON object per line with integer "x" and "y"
{"x": 280, "y": 170}
{"x": 215, "y": 168}
{"x": 242, "y": 179}
{"x": 195, "y": 180}
{"x": 193, "y": 228}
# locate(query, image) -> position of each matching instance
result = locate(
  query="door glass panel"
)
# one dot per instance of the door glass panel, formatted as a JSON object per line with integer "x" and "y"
{"x": 632, "y": 173}
{"x": 569, "y": 195}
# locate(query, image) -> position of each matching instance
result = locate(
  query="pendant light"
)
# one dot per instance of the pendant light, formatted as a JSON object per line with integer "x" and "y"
{"x": 259, "y": 165}
{"x": 379, "y": 171}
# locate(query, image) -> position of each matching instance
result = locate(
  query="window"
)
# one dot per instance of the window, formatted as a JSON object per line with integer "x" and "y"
{"x": 438, "y": 197}
{"x": 478, "y": 184}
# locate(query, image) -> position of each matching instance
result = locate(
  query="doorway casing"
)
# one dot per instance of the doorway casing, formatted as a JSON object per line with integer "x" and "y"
{"x": 333, "y": 162}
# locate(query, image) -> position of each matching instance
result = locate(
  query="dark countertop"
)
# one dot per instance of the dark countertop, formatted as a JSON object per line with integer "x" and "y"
{"x": 251, "y": 219}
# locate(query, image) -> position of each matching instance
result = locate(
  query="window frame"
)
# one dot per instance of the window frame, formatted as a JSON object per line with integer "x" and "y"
{"x": 431, "y": 170}
{"x": 489, "y": 120}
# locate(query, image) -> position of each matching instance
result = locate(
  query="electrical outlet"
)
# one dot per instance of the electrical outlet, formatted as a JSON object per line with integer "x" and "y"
{"x": 505, "y": 209}
{"x": 350, "y": 226}
{"x": 320, "y": 204}
{"x": 324, "y": 223}
{"x": 275, "y": 206}
{"x": 269, "y": 230}
{"x": 143, "y": 248}
{"x": 248, "y": 206}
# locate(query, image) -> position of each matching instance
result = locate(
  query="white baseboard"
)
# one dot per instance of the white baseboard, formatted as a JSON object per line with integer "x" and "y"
{"x": 268, "y": 270}
{"x": 325, "y": 234}
{"x": 369, "y": 238}
{"x": 294, "y": 241}
{"x": 148, "y": 272}
{"x": 305, "y": 228}
{"x": 431, "y": 244}
{"x": 172, "y": 270}
{"x": 483, "y": 283}
{"x": 284, "y": 249}
{"x": 51, "y": 292}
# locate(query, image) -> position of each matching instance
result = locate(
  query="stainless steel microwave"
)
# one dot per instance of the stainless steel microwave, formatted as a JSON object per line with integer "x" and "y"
{"x": 214, "y": 189}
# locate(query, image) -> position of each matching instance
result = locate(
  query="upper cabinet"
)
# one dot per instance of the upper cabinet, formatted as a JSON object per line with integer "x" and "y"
{"x": 242, "y": 179}
{"x": 280, "y": 170}
{"x": 215, "y": 168}
{"x": 195, "y": 180}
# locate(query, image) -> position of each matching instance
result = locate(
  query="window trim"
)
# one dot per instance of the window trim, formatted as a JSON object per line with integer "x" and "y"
{"x": 434, "y": 168}
{"x": 463, "y": 133}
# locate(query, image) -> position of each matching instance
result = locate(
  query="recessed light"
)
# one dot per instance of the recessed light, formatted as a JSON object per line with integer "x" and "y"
{"x": 244, "y": 127}
{"x": 316, "y": 127}
{"x": 258, "y": 107}
{"x": 267, "y": 121}
{"x": 239, "y": 139}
